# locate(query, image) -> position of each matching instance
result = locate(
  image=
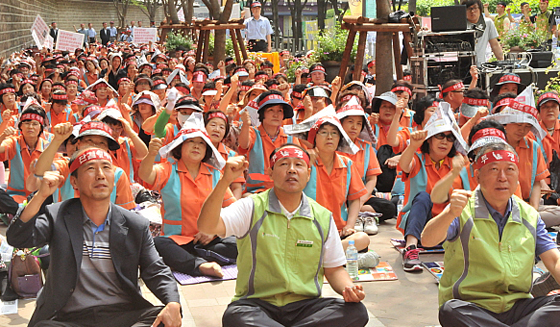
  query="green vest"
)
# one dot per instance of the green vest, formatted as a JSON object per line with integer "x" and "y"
{"x": 482, "y": 269}
{"x": 499, "y": 22}
{"x": 279, "y": 260}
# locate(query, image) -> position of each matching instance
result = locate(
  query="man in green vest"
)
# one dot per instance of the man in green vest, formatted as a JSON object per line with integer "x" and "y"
{"x": 501, "y": 20}
{"x": 286, "y": 243}
{"x": 545, "y": 19}
{"x": 491, "y": 241}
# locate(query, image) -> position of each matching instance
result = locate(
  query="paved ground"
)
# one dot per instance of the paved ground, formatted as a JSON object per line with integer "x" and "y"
{"x": 408, "y": 302}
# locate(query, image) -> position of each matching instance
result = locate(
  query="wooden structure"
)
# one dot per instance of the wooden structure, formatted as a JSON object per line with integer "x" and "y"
{"x": 206, "y": 26}
{"x": 363, "y": 25}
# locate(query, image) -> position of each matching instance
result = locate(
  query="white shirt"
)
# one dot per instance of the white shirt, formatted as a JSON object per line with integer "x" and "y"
{"x": 237, "y": 219}
{"x": 490, "y": 33}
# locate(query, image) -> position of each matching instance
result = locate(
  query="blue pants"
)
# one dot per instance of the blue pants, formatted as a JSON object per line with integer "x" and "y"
{"x": 419, "y": 214}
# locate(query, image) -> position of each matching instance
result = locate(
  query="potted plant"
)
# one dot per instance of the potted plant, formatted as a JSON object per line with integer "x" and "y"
{"x": 175, "y": 40}
{"x": 330, "y": 49}
{"x": 519, "y": 40}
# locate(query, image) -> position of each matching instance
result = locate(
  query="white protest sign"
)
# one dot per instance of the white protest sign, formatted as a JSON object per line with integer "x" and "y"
{"x": 144, "y": 35}
{"x": 181, "y": 15}
{"x": 68, "y": 41}
{"x": 49, "y": 42}
{"x": 41, "y": 30}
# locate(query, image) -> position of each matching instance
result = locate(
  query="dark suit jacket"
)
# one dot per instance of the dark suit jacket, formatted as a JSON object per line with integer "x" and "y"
{"x": 104, "y": 35}
{"x": 131, "y": 246}
{"x": 54, "y": 34}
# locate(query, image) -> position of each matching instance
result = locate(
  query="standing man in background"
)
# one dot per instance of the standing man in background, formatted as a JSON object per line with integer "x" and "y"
{"x": 54, "y": 31}
{"x": 104, "y": 34}
{"x": 112, "y": 32}
{"x": 258, "y": 30}
{"x": 91, "y": 34}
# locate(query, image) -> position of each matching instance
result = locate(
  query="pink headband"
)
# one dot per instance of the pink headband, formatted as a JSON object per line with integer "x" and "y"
{"x": 30, "y": 116}
{"x": 289, "y": 152}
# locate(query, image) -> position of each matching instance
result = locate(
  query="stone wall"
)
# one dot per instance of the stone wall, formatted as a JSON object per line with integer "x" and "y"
{"x": 17, "y": 16}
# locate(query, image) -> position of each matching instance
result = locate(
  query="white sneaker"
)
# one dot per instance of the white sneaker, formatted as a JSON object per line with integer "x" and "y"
{"x": 359, "y": 227}
{"x": 370, "y": 226}
{"x": 368, "y": 260}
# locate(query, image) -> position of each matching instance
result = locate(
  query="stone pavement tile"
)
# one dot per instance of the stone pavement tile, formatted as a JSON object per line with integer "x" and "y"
{"x": 205, "y": 290}
{"x": 208, "y": 316}
{"x": 25, "y": 310}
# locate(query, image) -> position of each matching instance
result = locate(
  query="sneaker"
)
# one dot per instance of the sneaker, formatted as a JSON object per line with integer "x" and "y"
{"x": 370, "y": 226}
{"x": 543, "y": 285}
{"x": 368, "y": 260}
{"x": 359, "y": 227}
{"x": 411, "y": 259}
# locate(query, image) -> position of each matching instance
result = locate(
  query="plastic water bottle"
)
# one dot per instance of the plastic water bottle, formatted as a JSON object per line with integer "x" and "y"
{"x": 400, "y": 204}
{"x": 554, "y": 43}
{"x": 352, "y": 260}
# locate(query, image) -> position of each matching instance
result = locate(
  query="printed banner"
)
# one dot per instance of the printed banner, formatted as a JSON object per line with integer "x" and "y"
{"x": 68, "y": 41}
{"x": 41, "y": 30}
{"x": 144, "y": 35}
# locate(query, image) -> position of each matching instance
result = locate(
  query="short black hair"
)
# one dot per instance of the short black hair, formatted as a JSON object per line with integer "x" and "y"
{"x": 470, "y": 3}
{"x": 283, "y": 146}
{"x": 421, "y": 106}
{"x": 476, "y": 93}
{"x": 501, "y": 97}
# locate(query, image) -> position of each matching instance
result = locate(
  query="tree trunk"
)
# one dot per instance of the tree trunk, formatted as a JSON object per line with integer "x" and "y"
{"x": 220, "y": 35}
{"x": 412, "y": 6}
{"x": 383, "y": 52}
{"x": 321, "y": 13}
{"x": 276, "y": 24}
{"x": 172, "y": 10}
{"x": 188, "y": 9}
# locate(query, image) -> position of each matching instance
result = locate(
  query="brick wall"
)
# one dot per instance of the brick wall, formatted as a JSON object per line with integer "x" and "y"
{"x": 17, "y": 16}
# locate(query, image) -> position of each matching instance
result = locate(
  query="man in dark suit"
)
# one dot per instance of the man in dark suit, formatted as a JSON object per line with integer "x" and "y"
{"x": 104, "y": 34}
{"x": 96, "y": 249}
{"x": 54, "y": 31}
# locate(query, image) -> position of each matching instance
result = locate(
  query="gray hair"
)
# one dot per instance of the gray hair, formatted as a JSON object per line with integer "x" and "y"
{"x": 495, "y": 147}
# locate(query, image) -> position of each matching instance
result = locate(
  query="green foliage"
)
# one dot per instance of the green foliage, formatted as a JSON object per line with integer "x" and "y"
{"x": 331, "y": 45}
{"x": 175, "y": 40}
{"x": 423, "y": 6}
{"x": 296, "y": 63}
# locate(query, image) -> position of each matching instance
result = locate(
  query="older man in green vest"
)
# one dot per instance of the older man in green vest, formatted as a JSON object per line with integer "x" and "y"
{"x": 492, "y": 238}
{"x": 286, "y": 243}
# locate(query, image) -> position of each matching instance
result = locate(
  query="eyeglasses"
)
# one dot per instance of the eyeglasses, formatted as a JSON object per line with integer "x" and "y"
{"x": 327, "y": 134}
{"x": 473, "y": 8}
{"x": 450, "y": 137}
{"x": 458, "y": 91}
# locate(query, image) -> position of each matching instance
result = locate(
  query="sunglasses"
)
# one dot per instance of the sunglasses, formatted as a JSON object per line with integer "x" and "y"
{"x": 450, "y": 137}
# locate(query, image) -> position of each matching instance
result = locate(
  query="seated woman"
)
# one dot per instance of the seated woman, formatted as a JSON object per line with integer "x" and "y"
{"x": 184, "y": 186}
{"x": 21, "y": 149}
{"x": 439, "y": 142}
{"x": 336, "y": 184}
{"x": 217, "y": 125}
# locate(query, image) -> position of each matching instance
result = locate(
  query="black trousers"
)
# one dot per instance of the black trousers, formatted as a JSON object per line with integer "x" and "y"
{"x": 258, "y": 45}
{"x": 184, "y": 258}
{"x": 383, "y": 206}
{"x": 542, "y": 311}
{"x": 106, "y": 316}
{"x": 324, "y": 312}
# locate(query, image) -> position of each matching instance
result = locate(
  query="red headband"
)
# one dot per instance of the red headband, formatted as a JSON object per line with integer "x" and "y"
{"x": 407, "y": 78}
{"x": 403, "y": 89}
{"x": 453, "y": 87}
{"x": 124, "y": 79}
{"x": 510, "y": 78}
{"x": 353, "y": 107}
{"x": 475, "y": 102}
{"x": 503, "y": 102}
{"x": 524, "y": 108}
{"x": 435, "y": 104}
{"x": 488, "y": 132}
{"x": 259, "y": 76}
{"x": 60, "y": 96}
{"x": 270, "y": 97}
{"x": 182, "y": 89}
{"x": 27, "y": 81}
{"x": 319, "y": 68}
{"x": 100, "y": 85}
{"x": 89, "y": 155}
{"x": 549, "y": 95}
{"x": 7, "y": 90}
{"x": 30, "y": 116}
{"x": 289, "y": 152}
{"x": 499, "y": 155}
{"x": 69, "y": 82}
{"x": 96, "y": 125}
{"x": 244, "y": 88}
{"x": 159, "y": 81}
{"x": 297, "y": 95}
{"x": 218, "y": 114}
{"x": 191, "y": 130}
{"x": 347, "y": 97}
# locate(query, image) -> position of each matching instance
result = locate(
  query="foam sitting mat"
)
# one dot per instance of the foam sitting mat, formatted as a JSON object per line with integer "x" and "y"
{"x": 383, "y": 271}
{"x": 230, "y": 272}
{"x": 435, "y": 268}
{"x": 399, "y": 245}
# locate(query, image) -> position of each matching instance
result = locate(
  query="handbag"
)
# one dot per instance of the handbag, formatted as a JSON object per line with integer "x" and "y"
{"x": 24, "y": 273}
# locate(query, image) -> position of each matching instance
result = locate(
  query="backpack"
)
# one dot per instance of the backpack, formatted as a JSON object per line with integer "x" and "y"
{"x": 24, "y": 273}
